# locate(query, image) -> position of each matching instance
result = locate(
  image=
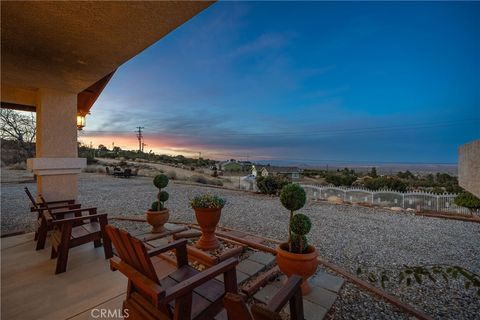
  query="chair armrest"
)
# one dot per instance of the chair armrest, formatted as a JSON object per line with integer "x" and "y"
{"x": 66, "y": 202}
{"x": 280, "y": 299}
{"x": 67, "y": 207}
{"x": 69, "y": 201}
{"x": 172, "y": 245}
{"x": 91, "y": 211}
{"x": 153, "y": 289}
{"x": 191, "y": 283}
{"x": 76, "y": 219}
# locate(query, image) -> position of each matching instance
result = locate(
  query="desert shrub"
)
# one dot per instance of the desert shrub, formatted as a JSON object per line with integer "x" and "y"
{"x": 271, "y": 184}
{"x": 392, "y": 183}
{"x": 172, "y": 175}
{"x": 199, "y": 179}
{"x": 468, "y": 200}
{"x": 344, "y": 178}
{"x": 438, "y": 190}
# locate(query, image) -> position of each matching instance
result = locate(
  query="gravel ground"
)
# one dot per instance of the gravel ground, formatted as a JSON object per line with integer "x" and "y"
{"x": 349, "y": 236}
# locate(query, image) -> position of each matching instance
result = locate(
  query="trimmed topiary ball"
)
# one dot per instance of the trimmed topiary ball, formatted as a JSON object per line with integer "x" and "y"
{"x": 157, "y": 206}
{"x": 160, "y": 181}
{"x": 301, "y": 224}
{"x": 163, "y": 196}
{"x": 293, "y": 197}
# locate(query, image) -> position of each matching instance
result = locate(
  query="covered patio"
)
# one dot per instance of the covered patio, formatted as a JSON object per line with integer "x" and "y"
{"x": 57, "y": 59}
{"x": 32, "y": 291}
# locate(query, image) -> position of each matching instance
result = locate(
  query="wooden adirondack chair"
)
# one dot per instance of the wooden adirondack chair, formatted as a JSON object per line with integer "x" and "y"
{"x": 184, "y": 294}
{"x": 54, "y": 206}
{"x": 291, "y": 292}
{"x": 72, "y": 232}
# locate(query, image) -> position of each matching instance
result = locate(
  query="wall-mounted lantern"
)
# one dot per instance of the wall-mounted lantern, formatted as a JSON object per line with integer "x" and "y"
{"x": 80, "y": 121}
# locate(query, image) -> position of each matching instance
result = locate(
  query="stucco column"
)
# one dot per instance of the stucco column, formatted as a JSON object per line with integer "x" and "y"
{"x": 469, "y": 167}
{"x": 56, "y": 164}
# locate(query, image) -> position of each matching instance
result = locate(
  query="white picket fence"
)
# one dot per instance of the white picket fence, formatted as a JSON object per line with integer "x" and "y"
{"x": 417, "y": 200}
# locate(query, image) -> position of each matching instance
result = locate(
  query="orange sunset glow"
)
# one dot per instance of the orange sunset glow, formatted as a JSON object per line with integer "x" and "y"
{"x": 163, "y": 145}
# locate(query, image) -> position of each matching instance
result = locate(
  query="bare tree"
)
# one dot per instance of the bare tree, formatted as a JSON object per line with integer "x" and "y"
{"x": 19, "y": 127}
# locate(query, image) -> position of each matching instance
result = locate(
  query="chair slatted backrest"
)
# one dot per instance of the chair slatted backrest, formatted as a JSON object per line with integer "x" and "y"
{"x": 132, "y": 251}
{"x": 45, "y": 205}
{"x": 30, "y": 196}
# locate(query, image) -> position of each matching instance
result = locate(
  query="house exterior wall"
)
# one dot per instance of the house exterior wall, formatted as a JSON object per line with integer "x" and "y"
{"x": 469, "y": 167}
{"x": 295, "y": 175}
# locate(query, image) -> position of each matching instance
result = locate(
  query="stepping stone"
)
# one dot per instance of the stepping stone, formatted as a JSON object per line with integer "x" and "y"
{"x": 266, "y": 293}
{"x": 262, "y": 258}
{"x": 312, "y": 311}
{"x": 250, "y": 267}
{"x": 158, "y": 242}
{"x": 322, "y": 297}
{"x": 315, "y": 305}
{"x": 241, "y": 277}
{"x": 327, "y": 281}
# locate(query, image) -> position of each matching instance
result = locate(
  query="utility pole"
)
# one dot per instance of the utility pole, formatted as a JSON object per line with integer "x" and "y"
{"x": 140, "y": 137}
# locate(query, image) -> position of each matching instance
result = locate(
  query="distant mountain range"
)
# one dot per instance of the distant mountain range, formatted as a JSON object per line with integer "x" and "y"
{"x": 382, "y": 168}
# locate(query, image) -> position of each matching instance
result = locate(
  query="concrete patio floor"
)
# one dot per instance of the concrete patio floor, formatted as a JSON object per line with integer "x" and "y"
{"x": 31, "y": 290}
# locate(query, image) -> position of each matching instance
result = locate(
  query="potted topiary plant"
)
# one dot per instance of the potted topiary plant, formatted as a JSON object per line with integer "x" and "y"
{"x": 296, "y": 256}
{"x": 158, "y": 215}
{"x": 208, "y": 209}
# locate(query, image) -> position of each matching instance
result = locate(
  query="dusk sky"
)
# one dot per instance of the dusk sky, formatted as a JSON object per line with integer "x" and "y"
{"x": 310, "y": 82}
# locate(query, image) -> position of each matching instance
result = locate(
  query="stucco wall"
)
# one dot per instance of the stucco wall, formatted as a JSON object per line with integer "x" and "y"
{"x": 469, "y": 167}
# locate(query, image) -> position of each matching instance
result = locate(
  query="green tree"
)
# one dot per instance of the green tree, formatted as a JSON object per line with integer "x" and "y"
{"x": 467, "y": 200}
{"x": 373, "y": 173}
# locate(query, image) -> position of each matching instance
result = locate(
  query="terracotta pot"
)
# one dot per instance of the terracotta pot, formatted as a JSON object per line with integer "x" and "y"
{"x": 157, "y": 219}
{"x": 302, "y": 264}
{"x": 208, "y": 219}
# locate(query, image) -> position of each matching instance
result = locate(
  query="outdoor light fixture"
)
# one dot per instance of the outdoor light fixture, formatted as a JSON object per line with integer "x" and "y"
{"x": 80, "y": 121}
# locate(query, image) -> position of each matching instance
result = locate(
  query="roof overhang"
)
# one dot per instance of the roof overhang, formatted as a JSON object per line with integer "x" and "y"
{"x": 75, "y": 46}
